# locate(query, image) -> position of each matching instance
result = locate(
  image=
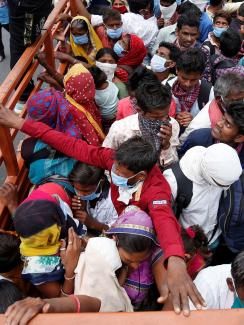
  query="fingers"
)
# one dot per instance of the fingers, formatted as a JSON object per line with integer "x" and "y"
{"x": 62, "y": 249}
{"x": 196, "y": 297}
{"x": 164, "y": 294}
{"x": 76, "y": 203}
{"x": 176, "y": 301}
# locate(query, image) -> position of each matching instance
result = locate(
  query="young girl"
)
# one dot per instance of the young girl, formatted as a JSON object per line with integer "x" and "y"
{"x": 106, "y": 96}
{"x": 92, "y": 204}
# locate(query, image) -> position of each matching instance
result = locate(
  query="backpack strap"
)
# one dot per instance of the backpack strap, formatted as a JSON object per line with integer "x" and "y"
{"x": 184, "y": 189}
{"x": 203, "y": 97}
{"x": 241, "y": 209}
{"x": 210, "y": 46}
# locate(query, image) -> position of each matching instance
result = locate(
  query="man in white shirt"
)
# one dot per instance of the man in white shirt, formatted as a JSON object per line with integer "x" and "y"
{"x": 139, "y": 21}
{"x": 222, "y": 286}
{"x": 151, "y": 122}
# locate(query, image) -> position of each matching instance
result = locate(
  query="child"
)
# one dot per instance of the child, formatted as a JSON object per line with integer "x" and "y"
{"x": 92, "y": 204}
{"x": 128, "y": 263}
{"x": 106, "y": 96}
{"x": 4, "y": 22}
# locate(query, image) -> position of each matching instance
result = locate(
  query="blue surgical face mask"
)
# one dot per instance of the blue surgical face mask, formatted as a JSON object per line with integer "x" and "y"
{"x": 118, "y": 49}
{"x": 218, "y": 31}
{"x": 81, "y": 40}
{"x": 89, "y": 197}
{"x": 114, "y": 33}
{"x": 121, "y": 181}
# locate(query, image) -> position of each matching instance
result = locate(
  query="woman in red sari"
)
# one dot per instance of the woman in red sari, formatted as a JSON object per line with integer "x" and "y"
{"x": 131, "y": 52}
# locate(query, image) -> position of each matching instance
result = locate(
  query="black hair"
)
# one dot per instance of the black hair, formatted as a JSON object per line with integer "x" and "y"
{"x": 9, "y": 294}
{"x": 237, "y": 270}
{"x": 134, "y": 243}
{"x": 9, "y": 252}
{"x": 186, "y": 20}
{"x": 104, "y": 51}
{"x": 137, "y": 154}
{"x": 170, "y": 1}
{"x": 240, "y": 11}
{"x": 111, "y": 14}
{"x": 98, "y": 75}
{"x": 137, "y": 5}
{"x": 199, "y": 242}
{"x": 85, "y": 174}
{"x": 230, "y": 43}
{"x": 174, "y": 50}
{"x": 138, "y": 76}
{"x": 188, "y": 8}
{"x": 222, "y": 14}
{"x": 79, "y": 23}
{"x": 152, "y": 96}
{"x": 236, "y": 111}
{"x": 215, "y": 3}
{"x": 192, "y": 60}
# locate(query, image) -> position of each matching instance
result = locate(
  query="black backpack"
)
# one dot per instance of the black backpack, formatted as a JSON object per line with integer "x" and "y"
{"x": 184, "y": 190}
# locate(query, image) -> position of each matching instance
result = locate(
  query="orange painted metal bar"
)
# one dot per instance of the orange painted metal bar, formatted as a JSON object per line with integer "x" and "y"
{"x": 210, "y": 317}
{"x": 10, "y": 92}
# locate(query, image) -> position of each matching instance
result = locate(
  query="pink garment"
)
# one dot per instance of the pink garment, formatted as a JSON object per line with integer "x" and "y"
{"x": 125, "y": 108}
{"x": 215, "y": 113}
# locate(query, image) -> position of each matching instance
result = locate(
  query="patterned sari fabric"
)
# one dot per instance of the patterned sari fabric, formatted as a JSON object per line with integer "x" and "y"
{"x": 80, "y": 93}
{"x": 41, "y": 221}
{"x": 139, "y": 281}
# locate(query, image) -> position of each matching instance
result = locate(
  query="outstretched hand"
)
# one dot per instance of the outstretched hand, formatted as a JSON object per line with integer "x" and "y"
{"x": 21, "y": 312}
{"x": 10, "y": 119}
{"x": 180, "y": 287}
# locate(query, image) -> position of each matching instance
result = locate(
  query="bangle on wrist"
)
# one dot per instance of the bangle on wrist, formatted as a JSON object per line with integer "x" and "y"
{"x": 69, "y": 279}
{"x": 77, "y": 302}
{"x": 64, "y": 293}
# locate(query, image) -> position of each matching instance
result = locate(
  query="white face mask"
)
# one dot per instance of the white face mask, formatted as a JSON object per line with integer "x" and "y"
{"x": 167, "y": 12}
{"x": 107, "y": 68}
{"x": 158, "y": 63}
{"x": 107, "y": 100}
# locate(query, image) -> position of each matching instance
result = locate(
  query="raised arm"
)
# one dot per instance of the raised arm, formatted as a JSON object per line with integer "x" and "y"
{"x": 81, "y": 9}
{"x": 72, "y": 147}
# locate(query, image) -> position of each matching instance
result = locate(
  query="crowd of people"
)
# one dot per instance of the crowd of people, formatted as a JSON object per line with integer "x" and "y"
{"x": 135, "y": 156}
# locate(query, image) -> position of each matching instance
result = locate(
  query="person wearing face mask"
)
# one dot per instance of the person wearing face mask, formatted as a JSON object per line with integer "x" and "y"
{"x": 166, "y": 12}
{"x": 111, "y": 29}
{"x": 139, "y": 20}
{"x": 223, "y": 285}
{"x": 206, "y": 172}
{"x": 131, "y": 52}
{"x": 227, "y": 61}
{"x": 106, "y": 97}
{"x": 120, "y": 5}
{"x": 92, "y": 203}
{"x": 164, "y": 61}
{"x": 151, "y": 121}
{"x": 221, "y": 22}
{"x": 136, "y": 180}
{"x": 106, "y": 60}
{"x": 84, "y": 41}
{"x": 229, "y": 130}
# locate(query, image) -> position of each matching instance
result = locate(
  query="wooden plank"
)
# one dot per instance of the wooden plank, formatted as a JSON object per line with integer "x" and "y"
{"x": 210, "y": 317}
